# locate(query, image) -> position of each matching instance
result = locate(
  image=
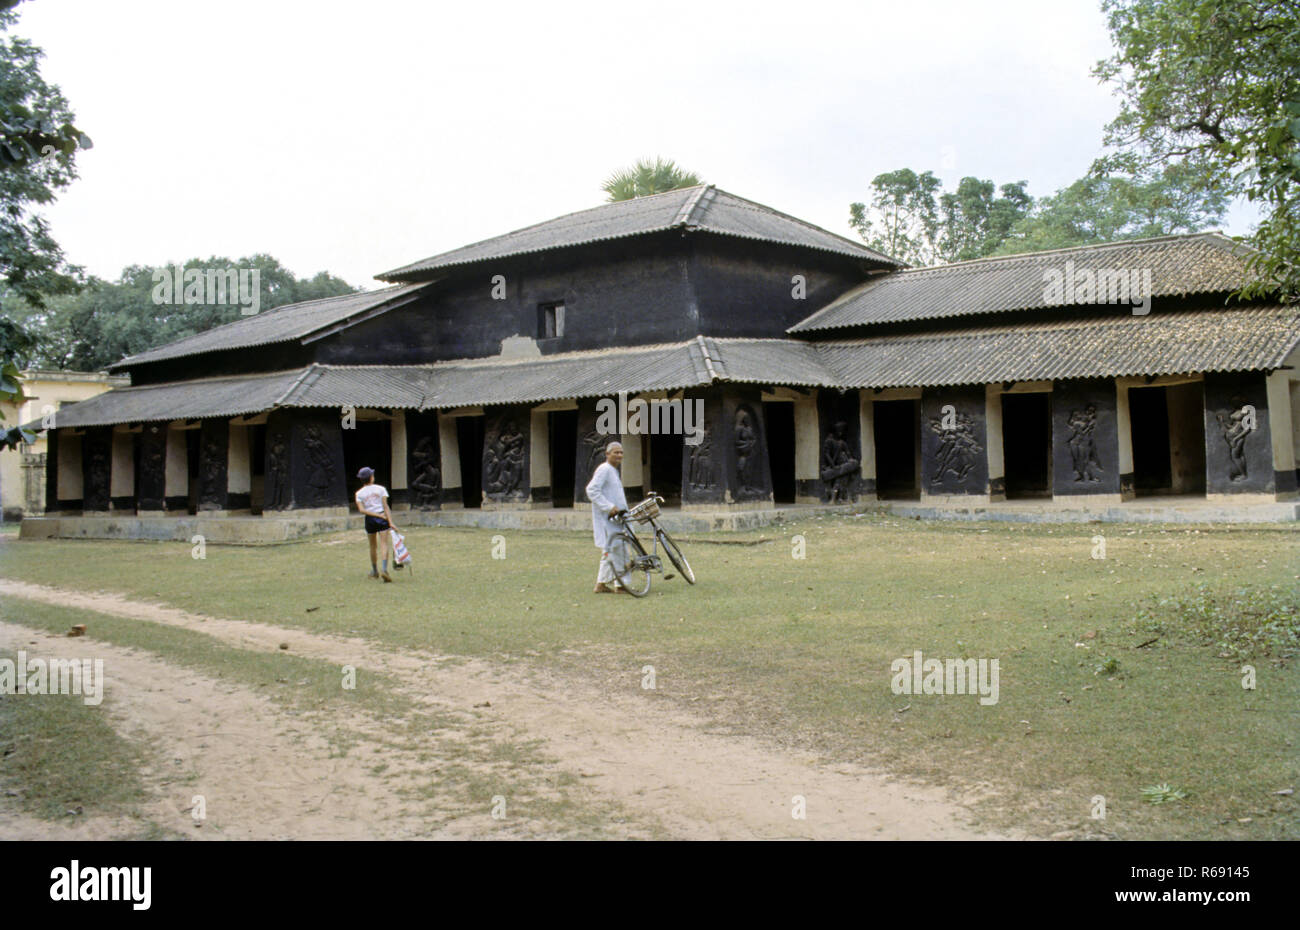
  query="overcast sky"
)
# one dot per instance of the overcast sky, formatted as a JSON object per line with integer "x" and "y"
{"x": 357, "y": 137}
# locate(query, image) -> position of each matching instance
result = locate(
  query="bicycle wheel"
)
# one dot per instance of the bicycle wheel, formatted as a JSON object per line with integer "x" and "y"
{"x": 629, "y": 564}
{"x": 675, "y": 556}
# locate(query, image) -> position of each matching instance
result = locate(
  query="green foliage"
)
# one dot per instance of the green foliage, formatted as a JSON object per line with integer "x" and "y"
{"x": 1162, "y": 794}
{"x": 14, "y": 343}
{"x": 1106, "y": 208}
{"x": 1109, "y": 667}
{"x": 107, "y": 321}
{"x": 1214, "y": 87}
{"x": 38, "y": 145}
{"x": 907, "y": 221}
{"x": 648, "y": 177}
{"x": 1242, "y": 623}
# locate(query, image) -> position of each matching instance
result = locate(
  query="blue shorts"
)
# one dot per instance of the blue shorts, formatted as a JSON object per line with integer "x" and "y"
{"x": 375, "y": 524}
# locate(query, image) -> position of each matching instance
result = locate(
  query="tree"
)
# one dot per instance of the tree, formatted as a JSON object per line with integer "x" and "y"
{"x": 109, "y": 320}
{"x": 1098, "y": 209}
{"x": 902, "y": 220}
{"x": 38, "y": 147}
{"x": 648, "y": 177}
{"x": 1213, "y": 86}
{"x": 906, "y": 221}
{"x": 975, "y": 221}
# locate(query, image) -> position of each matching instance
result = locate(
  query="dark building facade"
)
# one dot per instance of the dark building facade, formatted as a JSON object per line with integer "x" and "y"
{"x": 750, "y": 359}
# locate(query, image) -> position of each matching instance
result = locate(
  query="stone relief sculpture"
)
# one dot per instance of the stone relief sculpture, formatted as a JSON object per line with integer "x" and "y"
{"x": 98, "y": 473}
{"x": 503, "y": 461}
{"x": 958, "y": 451}
{"x": 699, "y": 471}
{"x": 276, "y": 486}
{"x": 746, "y": 443}
{"x": 212, "y": 483}
{"x": 1234, "y": 428}
{"x": 1083, "y": 447}
{"x": 838, "y": 465}
{"x": 320, "y": 468}
{"x": 426, "y": 476}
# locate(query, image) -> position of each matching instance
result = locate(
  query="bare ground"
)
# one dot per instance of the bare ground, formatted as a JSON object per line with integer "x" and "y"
{"x": 268, "y": 774}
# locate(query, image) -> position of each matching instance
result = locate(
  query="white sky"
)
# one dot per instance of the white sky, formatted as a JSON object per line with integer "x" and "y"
{"x": 357, "y": 137}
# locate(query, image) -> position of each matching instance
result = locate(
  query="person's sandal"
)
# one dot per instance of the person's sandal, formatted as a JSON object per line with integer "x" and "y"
{"x": 385, "y": 576}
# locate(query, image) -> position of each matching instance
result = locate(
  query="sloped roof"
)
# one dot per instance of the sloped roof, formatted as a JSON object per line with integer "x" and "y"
{"x": 1178, "y": 266}
{"x": 701, "y": 208}
{"x": 279, "y": 324}
{"x": 1234, "y": 339}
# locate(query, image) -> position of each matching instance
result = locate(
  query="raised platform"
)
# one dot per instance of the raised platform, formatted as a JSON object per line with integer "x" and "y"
{"x": 257, "y": 530}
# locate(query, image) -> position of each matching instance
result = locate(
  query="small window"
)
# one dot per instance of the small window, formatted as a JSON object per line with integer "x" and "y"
{"x": 550, "y": 321}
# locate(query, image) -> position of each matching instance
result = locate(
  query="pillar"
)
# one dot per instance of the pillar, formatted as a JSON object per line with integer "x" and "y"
{"x": 151, "y": 473}
{"x": 1086, "y": 440}
{"x": 867, "y": 439}
{"x": 539, "y": 458}
{"x": 593, "y": 435}
{"x": 997, "y": 464}
{"x": 1124, "y": 436}
{"x": 97, "y": 469}
{"x": 449, "y": 445}
{"x": 177, "y": 473}
{"x": 506, "y": 455}
{"x": 632, "y": 473}
{"x": 70, "y": 481}
{"x": 422, "y": 437}
{"x": 52, "y": 438}
{"x": 839, "y": 444}
{"x": 399, "y": 493}
{"x": 122, "y": 481}
{"x": 1281, "y": 414}
{"x": 1238, "y": 451}
{"x": 214, "y": 463}
{"x": 239, "y": 470}
{"x": 954, "y": 443}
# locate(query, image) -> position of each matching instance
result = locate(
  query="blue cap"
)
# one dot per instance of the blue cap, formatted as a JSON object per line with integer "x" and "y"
{"x": 365, "y": 473}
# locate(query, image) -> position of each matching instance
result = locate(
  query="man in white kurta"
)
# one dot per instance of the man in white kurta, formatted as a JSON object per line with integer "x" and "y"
{"x": 605, "y": 491}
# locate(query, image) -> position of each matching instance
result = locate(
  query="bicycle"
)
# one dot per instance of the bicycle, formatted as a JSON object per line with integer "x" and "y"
{"x": 633, "y": 572}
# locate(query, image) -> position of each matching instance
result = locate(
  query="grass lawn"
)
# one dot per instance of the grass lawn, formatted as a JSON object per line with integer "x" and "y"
{"x": 799, "y": 649}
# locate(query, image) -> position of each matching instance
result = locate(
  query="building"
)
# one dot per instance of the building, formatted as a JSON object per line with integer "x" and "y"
{"x": 22, "y": 470}
{"x": 823, "y": 370}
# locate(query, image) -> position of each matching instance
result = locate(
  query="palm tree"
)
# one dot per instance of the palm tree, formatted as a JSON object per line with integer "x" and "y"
{"x": 648, "y": 177}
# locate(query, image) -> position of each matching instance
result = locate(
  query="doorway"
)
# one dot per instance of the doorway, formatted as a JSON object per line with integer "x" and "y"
{"x": 469, "y": 440}
{"x": 1167, "y": 425}
{"x": 368, "y": 444}
{"x": 666, "y": 451}
{"x": 562, "y": 430}
{"x": 1027, "y": 444}
{"x": 778, "y": 417}
{"x": 896, "y": 427}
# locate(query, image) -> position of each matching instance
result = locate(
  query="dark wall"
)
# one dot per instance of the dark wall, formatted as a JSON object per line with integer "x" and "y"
{"x": 151, "y": 468}
{"x": 278, "y": 357}
{"x": 96, "y": 468}
{"x": 423, "y": 460}
{"x": 745, "y": 288}
{"x": 705, "y": 465}
{"x": 214, "y": 458}
{"x": 590, "y": 451}
{"x": 1085, "y": 438}
{"x": 506, "y": 453}
{"x": 304, "y": 460}
{"x": 622, "y": 293}
{"x": 1238, "y": 459}
{"x": 954, "y": 460}
{"x": 837, "y": 451}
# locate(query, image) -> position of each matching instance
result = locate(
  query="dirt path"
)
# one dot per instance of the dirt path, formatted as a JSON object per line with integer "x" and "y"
{"x": 643, "y": 753}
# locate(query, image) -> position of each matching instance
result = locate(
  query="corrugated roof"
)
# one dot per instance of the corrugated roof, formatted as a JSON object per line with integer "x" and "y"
{"x": 1178, "y": 265}
{"x": 703, "y": 208}
{"x": 1233, "y": 339}
{"x": 1236, "y": 339}
{"x": 280, "y": 324}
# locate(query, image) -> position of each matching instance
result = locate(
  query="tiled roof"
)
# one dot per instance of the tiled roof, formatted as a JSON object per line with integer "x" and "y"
{"x": 279, "y": 324}
{"x": 1176, "y": 342}
{"x": 701, "y": 208}
{"x": 1178, "y": 265}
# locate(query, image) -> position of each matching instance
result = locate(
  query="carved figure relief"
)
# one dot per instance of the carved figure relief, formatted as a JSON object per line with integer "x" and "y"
{"x": 503, "y": 460}
{"x": 746, "y": 443}
{"x": 958, "y": 451}
{"x": 1234, "y": 429}
{"x": 699, "y": 470}
{"x": 838, "y": 465}
{"x": 320, "y": 468}
{"x": 98, "y": 472}
{"x": 276, "y": 486}
{"x": 212, "y": 483}
{"x": 1083, "y": 445}
{"x": 153, "y": 462}
{"x": 426, "y": 476}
